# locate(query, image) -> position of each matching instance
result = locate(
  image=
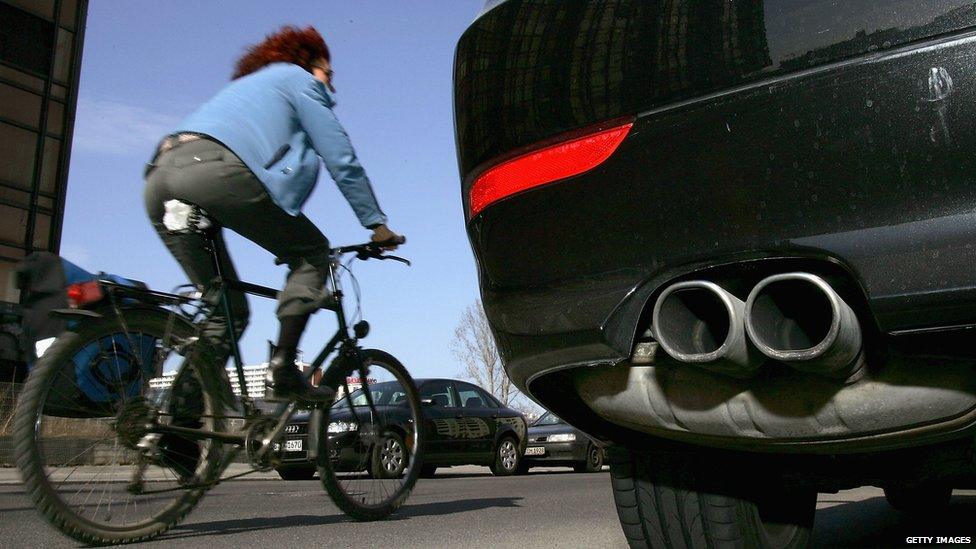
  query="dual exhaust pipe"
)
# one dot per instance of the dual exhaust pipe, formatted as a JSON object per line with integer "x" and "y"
{"x": 794, "y": 318}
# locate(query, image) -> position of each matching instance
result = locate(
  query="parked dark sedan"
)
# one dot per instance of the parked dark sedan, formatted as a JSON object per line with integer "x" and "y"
{"x": 466, "y": 425}
{"x": 554, "y": 443}
{"x": 736, "y": 238}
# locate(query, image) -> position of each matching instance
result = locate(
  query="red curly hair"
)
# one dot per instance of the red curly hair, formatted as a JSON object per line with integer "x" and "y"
{"x": 301, "y": 47}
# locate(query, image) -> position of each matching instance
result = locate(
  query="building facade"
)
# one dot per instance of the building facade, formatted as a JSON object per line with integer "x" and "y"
{"x": 254, "y": 376}
{"x": 40, "y": 61}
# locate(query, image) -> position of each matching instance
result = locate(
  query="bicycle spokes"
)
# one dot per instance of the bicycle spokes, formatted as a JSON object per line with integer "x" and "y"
{"x": 85, "y": 435}
{"x": 371, "y": 448}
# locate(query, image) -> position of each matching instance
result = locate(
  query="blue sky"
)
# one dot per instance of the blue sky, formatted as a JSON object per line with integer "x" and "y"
{"x": 147, "y": 64}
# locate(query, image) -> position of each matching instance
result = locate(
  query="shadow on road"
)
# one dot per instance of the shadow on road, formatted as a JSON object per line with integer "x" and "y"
{"x": 236, "y": 526}
{"x": 448, "y": 474}
{"x": 530, "y": 472}
{"x": 230, "y": 527}
{"x": 452, "y": 507}
{"x": 874, "y": 523}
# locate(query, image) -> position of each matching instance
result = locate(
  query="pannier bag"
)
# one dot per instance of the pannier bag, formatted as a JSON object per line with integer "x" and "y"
{"x": 103, "y": 373}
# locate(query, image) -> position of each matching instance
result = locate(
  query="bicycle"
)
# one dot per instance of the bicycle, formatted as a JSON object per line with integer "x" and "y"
{"x": 138, "y": 461}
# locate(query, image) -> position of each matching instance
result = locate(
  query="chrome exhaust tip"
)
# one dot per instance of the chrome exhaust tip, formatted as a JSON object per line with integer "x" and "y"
{"x": 699, "y": 322}
{"x": 798, "y": 319}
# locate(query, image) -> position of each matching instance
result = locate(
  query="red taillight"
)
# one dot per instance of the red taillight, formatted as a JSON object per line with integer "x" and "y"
{"x": 83, "y": 293}
{"x": 544, "y": 166}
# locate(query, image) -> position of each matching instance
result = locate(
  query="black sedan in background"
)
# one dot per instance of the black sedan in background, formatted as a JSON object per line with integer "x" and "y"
{"x": 553, "y": 442}
{"x": 466, "y": 426}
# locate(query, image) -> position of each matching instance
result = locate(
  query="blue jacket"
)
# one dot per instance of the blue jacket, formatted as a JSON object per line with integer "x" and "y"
{"x": 279, "y": 121}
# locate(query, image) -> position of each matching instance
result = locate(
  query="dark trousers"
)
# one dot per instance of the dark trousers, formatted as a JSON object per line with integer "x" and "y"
{"x": 208, "y": 175}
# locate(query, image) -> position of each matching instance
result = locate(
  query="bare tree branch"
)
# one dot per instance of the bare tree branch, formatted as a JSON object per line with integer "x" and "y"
{"x": 474, "y": 347}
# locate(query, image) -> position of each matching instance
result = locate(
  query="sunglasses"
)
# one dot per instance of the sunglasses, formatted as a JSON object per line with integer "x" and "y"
{"x": 328, "y": 72}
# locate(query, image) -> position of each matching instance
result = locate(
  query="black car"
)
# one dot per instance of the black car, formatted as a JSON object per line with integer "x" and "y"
{"x": 554, "y": 443}
{"x": 735, "y": 238}
{"x": 466, "y": 425}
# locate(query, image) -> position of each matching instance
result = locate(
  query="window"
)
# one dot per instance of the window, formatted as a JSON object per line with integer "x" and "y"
{"x": 382, "y": 394}
{"x": 62, "y": 56}
{"x": 17, "y": 155}
{"x": 20, "y": 106}
{"x": 13, "y": 224}
{"x": 31, "y": 82}
{"x": 471, "y": 397}
{"x": 42, "y": 231}
{"x": 549, "y": 418}
{"x": 49, "y": 166}
{"x": 43, "y": 8}
{"x": 69, "y": 10}
{"x": 55, "y": 117}
{"x": 492, "y": 401}
{"x": 438, "y": 393}
{"x": 26, "y": 40}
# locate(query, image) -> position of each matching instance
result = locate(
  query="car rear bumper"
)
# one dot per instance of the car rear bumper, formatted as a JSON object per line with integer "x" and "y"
{"x": 851, "y": 178}
{"x": 860, "y": 169}
{"x": 562, "y": 452}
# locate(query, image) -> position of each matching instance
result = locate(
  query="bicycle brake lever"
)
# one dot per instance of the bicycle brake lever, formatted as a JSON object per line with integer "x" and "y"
{"x": 397, "y": 258}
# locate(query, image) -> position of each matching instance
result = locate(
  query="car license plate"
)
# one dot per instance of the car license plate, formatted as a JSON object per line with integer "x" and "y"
{"x": 535, "y": 451}
{"x": 293, "y": 445}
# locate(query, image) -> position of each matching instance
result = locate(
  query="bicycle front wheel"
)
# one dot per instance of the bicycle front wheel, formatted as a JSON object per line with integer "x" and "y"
{"x": 370, "y": 453}
{"x": 86, "y": 409}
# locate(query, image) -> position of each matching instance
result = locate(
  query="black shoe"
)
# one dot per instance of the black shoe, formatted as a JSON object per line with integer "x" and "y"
{"x": 286, "y": 383}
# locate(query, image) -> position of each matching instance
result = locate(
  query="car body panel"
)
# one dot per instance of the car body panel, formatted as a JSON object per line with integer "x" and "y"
{"x": 845, "y": 186}
{"x": 767, "y": 137}
{"x": 524, "y": 72}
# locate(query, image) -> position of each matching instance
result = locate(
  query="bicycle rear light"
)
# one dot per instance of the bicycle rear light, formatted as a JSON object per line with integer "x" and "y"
{"x": 545, "y": 165}
{"x": 83, "y": 293}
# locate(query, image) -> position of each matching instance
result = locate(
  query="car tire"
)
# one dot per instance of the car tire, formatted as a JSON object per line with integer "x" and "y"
{"x": 918, "y": 500}
{"x": 428, "y": 471}
{"x": 662, "y": 502}
{"x": 594, "y": 460}
{"x": 389, "y": 457}
{"x": 506, "y": 458}
{"x": 297, "y": 473}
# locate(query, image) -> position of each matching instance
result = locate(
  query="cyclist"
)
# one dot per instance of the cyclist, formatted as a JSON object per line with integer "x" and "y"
{"x": 250, "y": 157}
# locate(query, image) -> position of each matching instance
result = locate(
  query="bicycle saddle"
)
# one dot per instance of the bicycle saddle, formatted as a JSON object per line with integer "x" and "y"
{"x": 182, "y": 217}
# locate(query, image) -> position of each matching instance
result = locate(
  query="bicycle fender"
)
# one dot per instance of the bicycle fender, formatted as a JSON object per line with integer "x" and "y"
{"x": 74, "y": 313}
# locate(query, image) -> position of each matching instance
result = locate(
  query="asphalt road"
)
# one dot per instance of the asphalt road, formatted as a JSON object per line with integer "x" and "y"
{"x": 467, "y": 507}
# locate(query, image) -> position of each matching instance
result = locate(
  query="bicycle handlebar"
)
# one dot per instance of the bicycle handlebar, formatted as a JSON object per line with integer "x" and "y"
{"x": 373, "y": 250}
{"x": 367, "y": 250}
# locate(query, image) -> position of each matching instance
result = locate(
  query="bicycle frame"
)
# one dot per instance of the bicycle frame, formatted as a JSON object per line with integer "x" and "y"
{"x": 221, "y": 285}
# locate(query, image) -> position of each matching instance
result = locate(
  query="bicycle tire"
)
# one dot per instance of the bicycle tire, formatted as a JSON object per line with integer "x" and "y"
{"x": 43, "y": 486}
{"x": 345, "y": 497}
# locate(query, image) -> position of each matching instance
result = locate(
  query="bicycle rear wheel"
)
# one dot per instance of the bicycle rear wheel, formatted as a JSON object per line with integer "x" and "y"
{"x": 85, "y": 407}
{"x": 369, "y": 462}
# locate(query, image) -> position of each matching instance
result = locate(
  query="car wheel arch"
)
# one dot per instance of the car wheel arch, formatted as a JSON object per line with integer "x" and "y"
{"x": 509, "y": 432}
